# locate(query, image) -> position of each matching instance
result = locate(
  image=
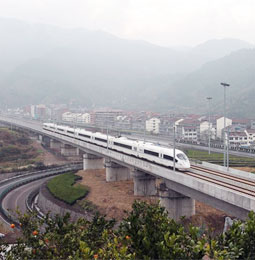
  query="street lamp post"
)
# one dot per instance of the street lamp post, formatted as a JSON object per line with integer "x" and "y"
{"x": 144, "y": 127}
{"x": 224, "y": 135}
{"x": 228, "y": 150}
{"x": 209, "y": 108}
{"x": 174, "y": 150}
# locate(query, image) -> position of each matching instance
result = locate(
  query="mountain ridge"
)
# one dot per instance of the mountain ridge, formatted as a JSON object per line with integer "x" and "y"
{"x": 47, "y": 64}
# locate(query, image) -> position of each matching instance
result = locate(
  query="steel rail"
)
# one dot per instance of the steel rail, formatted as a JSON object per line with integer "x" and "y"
{"x": 221, "y": 183}
{"x": 224, "y": 175}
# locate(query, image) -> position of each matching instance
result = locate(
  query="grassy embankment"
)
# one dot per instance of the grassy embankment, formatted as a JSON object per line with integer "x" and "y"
{"x": 62, "y": 187}
{"x": 16, "y": 150}
{"x": 218, "y": 158}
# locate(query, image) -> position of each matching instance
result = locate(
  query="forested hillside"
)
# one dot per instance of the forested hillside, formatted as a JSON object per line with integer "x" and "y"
{"x": 47, "y": 64}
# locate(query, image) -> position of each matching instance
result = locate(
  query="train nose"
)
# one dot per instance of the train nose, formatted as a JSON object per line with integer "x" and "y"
{"x": 187, "y": 164}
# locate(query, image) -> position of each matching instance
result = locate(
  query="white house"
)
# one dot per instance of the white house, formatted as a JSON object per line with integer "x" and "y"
{"x": 76, "y": 117}
{"x": 84, "y": 118}
{"x": 220, "y": 125}
{"x": 68, "y": 117}
{"x": 204, "y": 129}
{"x": 250, "y": 135}
{"x": 238, "y": 138}
{"x": 152, "y": 125}
{"x": 189, "y": 133}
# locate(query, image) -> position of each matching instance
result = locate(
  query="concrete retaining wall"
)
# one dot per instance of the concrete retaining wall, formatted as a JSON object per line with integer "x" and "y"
{"x": 48, "y": 203}
{"x": 231, "y": 172}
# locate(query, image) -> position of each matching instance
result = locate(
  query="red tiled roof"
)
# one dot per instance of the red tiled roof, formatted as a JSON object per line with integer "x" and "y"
{"x": 240, "y": 121}
{"x": 237, "y": 134}
{"x": 189, "y": 122}
{"x": 250, "y": 131}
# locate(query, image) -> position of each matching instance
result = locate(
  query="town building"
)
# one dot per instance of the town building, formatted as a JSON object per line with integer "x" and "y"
{"x": 105, "y": 117}
{"x": 237, "y": 138}
{"x": 152, "y": 125}
{"x": 250, "y": 133}
{"x": 78, "y": 118}
{"x": 187, "y": 129}
{"x": 220, "y": 126}
{"x": 206, "y": 128}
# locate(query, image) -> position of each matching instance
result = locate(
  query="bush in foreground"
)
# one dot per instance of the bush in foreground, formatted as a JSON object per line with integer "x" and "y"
{"x": 146, "y": 233}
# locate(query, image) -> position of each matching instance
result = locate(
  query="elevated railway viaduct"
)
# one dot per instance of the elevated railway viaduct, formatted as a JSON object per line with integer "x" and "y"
{"x": 232, "y": 191}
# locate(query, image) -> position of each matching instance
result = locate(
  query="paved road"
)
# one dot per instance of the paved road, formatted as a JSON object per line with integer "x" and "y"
{"x": 17, "y": 198}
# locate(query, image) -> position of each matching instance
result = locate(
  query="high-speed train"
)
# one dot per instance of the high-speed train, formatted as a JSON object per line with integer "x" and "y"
{"x": 149, "y": 151}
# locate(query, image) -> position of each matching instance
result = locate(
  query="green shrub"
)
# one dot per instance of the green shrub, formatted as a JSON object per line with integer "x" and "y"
{"x": 146, "y": 233}
{"x": 62, "y": 188}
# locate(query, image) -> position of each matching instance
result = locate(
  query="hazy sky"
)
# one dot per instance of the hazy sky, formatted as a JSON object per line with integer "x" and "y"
{"x": 164, "y": 22}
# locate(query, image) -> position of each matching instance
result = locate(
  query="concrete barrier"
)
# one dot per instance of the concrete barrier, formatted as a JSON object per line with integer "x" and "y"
{"x": 47, "y": 203}
{"x": 231, "y": 172}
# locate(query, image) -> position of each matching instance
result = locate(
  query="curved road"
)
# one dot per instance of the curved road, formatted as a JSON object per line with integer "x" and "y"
{"x": 17, "y": 198}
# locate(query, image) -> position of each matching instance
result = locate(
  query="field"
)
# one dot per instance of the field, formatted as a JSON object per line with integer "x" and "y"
{"x": 62, "y": 188}
{"x": 218, "y": 158}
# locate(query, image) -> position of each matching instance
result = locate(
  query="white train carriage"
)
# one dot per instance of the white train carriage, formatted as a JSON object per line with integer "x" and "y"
{"x": 145, "y": 150}
{"x": 163, "y": 155}
{"x": 122, "y": 144}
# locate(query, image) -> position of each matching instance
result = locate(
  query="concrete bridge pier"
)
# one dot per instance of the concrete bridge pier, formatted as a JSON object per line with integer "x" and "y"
{"x": 144, "y": 184}
{"x": 39, "y": 137}
{"x": 68, "y": 150}
{"x": 45, "y": 140}
{"x": 116, "y": 172}
{"x": 92, "y": 162}
{"x": 55, "y": 145}
{"x": 176, "y": 204}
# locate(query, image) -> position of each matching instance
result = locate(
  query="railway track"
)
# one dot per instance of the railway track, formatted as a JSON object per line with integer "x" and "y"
{"x": 225, "y": 175}
{"x": 248, "y": 191}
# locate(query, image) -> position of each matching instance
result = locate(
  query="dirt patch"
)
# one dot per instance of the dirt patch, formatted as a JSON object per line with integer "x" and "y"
{"x": 208, "y": 217}
{"x": 246, "y": 169}
{"x": 47, "y": 157}
{"x": 113, "y": 198}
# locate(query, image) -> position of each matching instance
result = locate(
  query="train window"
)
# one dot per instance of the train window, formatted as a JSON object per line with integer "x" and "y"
{"x": 100, "y": 139}
{"x": 87, "y": 136}
{"x": 123, "y": 145}
{"x": 59, "y": 129}
{"x": 70, "y": 132}
{"x": 181, "y": 156}
{"x": 168, "y": 157}
{"x": 151, "y": 153}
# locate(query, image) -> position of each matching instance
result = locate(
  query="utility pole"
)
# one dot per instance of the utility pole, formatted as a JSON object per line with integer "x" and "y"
{"x": 144, "y": 128}
{"x": 228, "y": 151}
{"x": 174, "y": 150}
{"x": 209, "y": 128}
{"x": 224, "y": 131}
{"x": 107, "y": 137}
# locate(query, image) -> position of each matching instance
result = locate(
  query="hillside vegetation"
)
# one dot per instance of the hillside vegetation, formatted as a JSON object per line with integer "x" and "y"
{"x": 16, "y": 149}
{"x": 146, "y": 233}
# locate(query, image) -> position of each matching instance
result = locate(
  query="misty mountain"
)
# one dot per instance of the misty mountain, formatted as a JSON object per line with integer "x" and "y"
{"x": 237, "y": 69}
{"x": 47, "y": 64}
{"x": 215, "y": 49}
